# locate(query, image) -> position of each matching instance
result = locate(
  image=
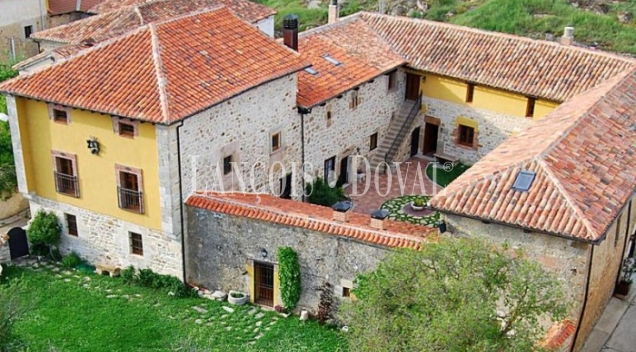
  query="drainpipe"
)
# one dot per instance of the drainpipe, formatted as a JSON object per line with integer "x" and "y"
{"x": 182, "y": 218}
{"x": 303, "y": 111}
{"x": 587, "y": 292}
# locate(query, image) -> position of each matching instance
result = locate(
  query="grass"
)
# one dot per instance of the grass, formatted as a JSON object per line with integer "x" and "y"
{"x": 395, "y": 206}
{"x": 443, "y": 177}
{"x": 78, "y": 315}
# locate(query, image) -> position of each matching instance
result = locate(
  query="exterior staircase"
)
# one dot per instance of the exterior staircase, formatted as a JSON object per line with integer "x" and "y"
{"x": 397, "y": 133}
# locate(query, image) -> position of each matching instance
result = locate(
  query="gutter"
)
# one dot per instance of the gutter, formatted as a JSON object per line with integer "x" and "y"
{"x": 181, "y": 205}
{"x": 585, "y": 298}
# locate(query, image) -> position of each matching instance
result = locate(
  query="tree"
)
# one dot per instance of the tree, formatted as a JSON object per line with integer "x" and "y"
{"x": 8, "y": 180}
{"x": 45, "y": 230}
{"x": 455, "y": 295}
{"x": 322, "y": 194}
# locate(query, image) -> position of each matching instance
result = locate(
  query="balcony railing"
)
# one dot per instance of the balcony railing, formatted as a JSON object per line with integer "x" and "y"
{"x": 131, "y": 200}
{"x": 66, "y": 184}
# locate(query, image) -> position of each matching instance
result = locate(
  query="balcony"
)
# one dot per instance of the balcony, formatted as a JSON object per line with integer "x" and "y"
{"x": 66, "y": 184}
{"x": 131, "y": 200}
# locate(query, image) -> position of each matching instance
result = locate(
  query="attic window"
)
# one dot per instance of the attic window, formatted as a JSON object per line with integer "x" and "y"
{"x": 332, "y": 60}
{"x": 311, "y": 71}
{"x": 524, "y": 181}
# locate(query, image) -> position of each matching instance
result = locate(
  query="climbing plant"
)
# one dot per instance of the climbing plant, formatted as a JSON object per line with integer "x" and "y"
{"x": 289, "y": 274}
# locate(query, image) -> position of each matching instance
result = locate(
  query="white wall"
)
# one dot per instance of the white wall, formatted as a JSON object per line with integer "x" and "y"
{"x": 266, "y": 25}
{"x": 18, "y": 11}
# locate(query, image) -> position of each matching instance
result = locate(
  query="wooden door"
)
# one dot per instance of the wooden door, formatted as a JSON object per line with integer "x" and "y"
{"x": 264, "y": 283}
{"x": 412, "y": 87}
{"x": 18, "y": 244}
{"x": 430, "y": 139}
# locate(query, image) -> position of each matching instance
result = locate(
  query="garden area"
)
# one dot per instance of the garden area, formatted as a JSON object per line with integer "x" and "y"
{"x": 444, "y": 174}
{"x": 411, "y": 209}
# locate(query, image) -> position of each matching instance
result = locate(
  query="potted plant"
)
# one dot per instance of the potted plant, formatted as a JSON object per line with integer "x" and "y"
{"x": 417, "y": 204}
{"x": 236, "y": 297}
{"x": 629, "y": 267}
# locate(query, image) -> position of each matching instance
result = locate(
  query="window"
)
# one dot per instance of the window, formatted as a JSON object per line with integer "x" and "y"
{"x": 275, "y": 142}
{"x": 392, "y": 80}
{"x": 355, "y": 100}
{"x": 373, "y": 141}
{"x": 470, "y": 90}
{"x": 227, "y": 165}
{"x": 530, "y": 107}
{"x": 329, "y": 115}
{"x": 126, "y": 129}
{"x": 129, "y": 189}
{"x": 330, "y": 168}
{"x": 136, "y": 244}
{"x": 71, "y": 224}
{"x": 618, "y": 231}
{"x": 28, "y": 30}
{"x": 60, "y": 116}
{"x": 466, "y": 135}
{"x": 65, "y": 173}
{"x": 523, "y": 181}
{"x": 346, "y": 292}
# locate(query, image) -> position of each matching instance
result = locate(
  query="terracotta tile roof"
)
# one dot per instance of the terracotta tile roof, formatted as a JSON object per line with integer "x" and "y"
{"x": 531, "y": 67}
{"x": 584, "y": 157}
{"x": 59, "y": 7}
{"x": 56, "y": 55}
{"x": 127, "y": 18}
{"x": 558, "y": 334}
{"x": 164, "y": 72}
{"x": 313, "y": 217}
{"x": 363, "y": 54}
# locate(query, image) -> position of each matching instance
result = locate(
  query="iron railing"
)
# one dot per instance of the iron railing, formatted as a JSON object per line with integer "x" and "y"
{"x": 131, "y": 200}
{"x": 66, "y": 184}
{"x": 390, "y": 154}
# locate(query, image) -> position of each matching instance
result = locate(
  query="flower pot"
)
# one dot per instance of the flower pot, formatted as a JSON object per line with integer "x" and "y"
{"x": 240, "y": 300}
{"x": 622, "y": 288}
{"x": 417, "y": 208}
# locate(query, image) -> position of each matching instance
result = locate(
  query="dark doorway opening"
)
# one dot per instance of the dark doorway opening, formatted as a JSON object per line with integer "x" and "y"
{"x": 18, "y": 243}
{"x": 343, "y": 177}
{"x": 415, "y": 141}
{"x": 431, "y": 134}
{"x": 264, "y": 283}
{"x": 286, "y": 187}
{"x": 412, "y": 87}
{"x": 330, "y": 167}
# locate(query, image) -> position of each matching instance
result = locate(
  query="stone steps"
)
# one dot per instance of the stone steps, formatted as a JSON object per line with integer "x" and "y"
{"x": 391, "y": 134}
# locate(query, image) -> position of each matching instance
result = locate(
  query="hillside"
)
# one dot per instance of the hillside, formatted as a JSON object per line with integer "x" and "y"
{"x": 607, "y": 24}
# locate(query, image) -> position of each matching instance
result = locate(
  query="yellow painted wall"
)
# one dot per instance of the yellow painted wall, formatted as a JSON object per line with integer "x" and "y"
{"x": 25, "y": 139}
{"x": 97, "y": 176}
{"x": 496, "y": 100}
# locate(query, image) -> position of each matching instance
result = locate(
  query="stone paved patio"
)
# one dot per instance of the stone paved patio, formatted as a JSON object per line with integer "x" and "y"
{"x": 382, "y": 187}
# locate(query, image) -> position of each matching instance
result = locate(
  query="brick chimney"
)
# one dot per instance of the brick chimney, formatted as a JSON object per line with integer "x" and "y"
{"x": 334, "y": 11}
{"x": 341, "y": 210}
{"x": 568, "y": 36}
{"x": 378, "y": 219}
{"x": 290, "y": 31}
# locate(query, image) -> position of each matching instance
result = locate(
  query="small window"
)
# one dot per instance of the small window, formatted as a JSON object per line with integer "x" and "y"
{"x": 392, "y": 80}
{"x": 466, "y": 135}
{"x": 60, "y": 116}
{"x": 523, "y": 181}
{"x": 136, "y": 244}
{"x": 71, "y": 224}
{"x": 355, "y": 100}
{"x": 227, "y": 165}
{"x": 275, "y": 142}
{"x": 126, "y": 129}
{"x": 618, "y": 231}
{"x": 329, "y": 116}
{"x": 373, "y": 141}
{"x": 530, "y": 107}
{"x": 28, "y": 30}
{"x": 470, "y": 91}
{"x": 346, "y": 292}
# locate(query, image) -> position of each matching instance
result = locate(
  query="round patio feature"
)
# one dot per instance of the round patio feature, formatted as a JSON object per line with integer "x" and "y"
{"x": 400, "y": 209}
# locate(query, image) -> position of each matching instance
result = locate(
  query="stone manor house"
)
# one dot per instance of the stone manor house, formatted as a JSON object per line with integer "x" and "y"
{"x": 128, "y": 127}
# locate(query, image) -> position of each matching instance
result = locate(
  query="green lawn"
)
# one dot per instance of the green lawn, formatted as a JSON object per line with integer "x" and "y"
{"x": 442, "y": 177}
{"x": 73, "y": 311}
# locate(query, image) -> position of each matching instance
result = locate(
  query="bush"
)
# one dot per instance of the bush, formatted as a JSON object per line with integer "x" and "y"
{"x": 129, "y": 274}
{"x": 45, "y": 230}
{"x": 289, "y": 274}
{"x": 322, "y": 194}
{"x": 71, "y": 260}
{"x": 148, "y": 278}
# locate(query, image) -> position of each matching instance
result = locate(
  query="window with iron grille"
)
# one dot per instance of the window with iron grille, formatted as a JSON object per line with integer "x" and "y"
{"x": 136, "y": 244}
{"x": 65, "y": 174}
{"x": 71, "y": 224}
{"x": 129, "y": 189}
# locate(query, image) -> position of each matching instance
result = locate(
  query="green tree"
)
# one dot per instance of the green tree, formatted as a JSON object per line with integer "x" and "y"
{"x": 8, "y": 181}
{"x": 322, "y": 194}
{"x": 456, "y": 295}
{"x": 45, "y": 230}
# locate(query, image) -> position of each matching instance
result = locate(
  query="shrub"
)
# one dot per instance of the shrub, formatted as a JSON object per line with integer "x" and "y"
{"x": 148, "y": 278}
{"x": 45, "y": 230}
{"x": 418, "y": 202}
{"x": 322, "y": 194}
{"x": 71, "y": 260}
{"x": 129, "y": 275}
{"x": 289, "y": 274}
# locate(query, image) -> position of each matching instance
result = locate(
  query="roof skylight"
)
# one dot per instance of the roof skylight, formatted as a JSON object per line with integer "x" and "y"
{"x": 311, "y": 71}
{"x": 524, "y": 181}
{"x": 332, "y": 60}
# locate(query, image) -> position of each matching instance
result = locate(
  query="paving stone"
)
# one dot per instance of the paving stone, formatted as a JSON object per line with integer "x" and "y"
{"x": 272, "y": 323}
{"x": 111, "y": 296}
{"x": 252, "y": 311}
{"x": 66, "y": 272}
{"x": 137, "y": 295}
{"x": 223, "y": 323}
{"x": 86, "y": 278}
{"x": 259, "y": 315}
{"x": 256, "y": 329}
{"x": 67, "y": 280}
{"x": 198, "y": 321}
{"x": 223, "y": 316}
{"x": 200, "y": 310}
{"x": 228, "y": 309}
{"x": 258, "y": 336}
{"x": 228, "y": 328}
{"x": 125, "y": 296}
{"x": 58, "y": 276}
{"x": 259, "y": 323}
{"x": 55, "y": 270}
{"x": 209, "y": 324}
{"x": 86, "y": 285}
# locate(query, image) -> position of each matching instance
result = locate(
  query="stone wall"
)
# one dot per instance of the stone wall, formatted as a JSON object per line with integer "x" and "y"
{"x": 5, "y": 252}
{"x": 104, "y": 239}
{"x": 219, "y": 247}
{"x": 350, "y": 128}
{"x": 13, "y": 206}
{"x": 242, "y": 127}
{"x": 493, "y": 128}
{"x": 22, "y": 47}
{"x": 566, "y": 258}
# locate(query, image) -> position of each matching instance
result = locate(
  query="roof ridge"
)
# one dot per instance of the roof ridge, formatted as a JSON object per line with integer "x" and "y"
{"x": 137, "y": 12}
{"x": 208, "y": 9}
{"x": 162, "y": 80}
{"x": 608, "y": 54}
{"x": 329, "y": 26}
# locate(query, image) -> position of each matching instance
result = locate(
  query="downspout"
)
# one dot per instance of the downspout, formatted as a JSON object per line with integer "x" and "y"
{"x": 303, "y": 111}
{"x": 587, "y": 292}
{"x": 183, "y": 251}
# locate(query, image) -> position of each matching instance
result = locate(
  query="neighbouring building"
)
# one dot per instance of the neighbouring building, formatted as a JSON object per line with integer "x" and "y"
{"x": 18, "y": 20}
{"x": 563, "y": 191}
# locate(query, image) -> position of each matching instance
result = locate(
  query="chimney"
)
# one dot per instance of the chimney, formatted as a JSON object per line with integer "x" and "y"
{"x": 334, "y": 11}
{"x": 568, "y": 36}
{"x": 378, "y": 219}
{"x": 341, "y": 210}
{"x": 290, "y": 31}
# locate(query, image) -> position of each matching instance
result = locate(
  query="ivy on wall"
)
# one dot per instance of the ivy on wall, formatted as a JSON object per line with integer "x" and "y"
{"x": 289, "y": 275}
